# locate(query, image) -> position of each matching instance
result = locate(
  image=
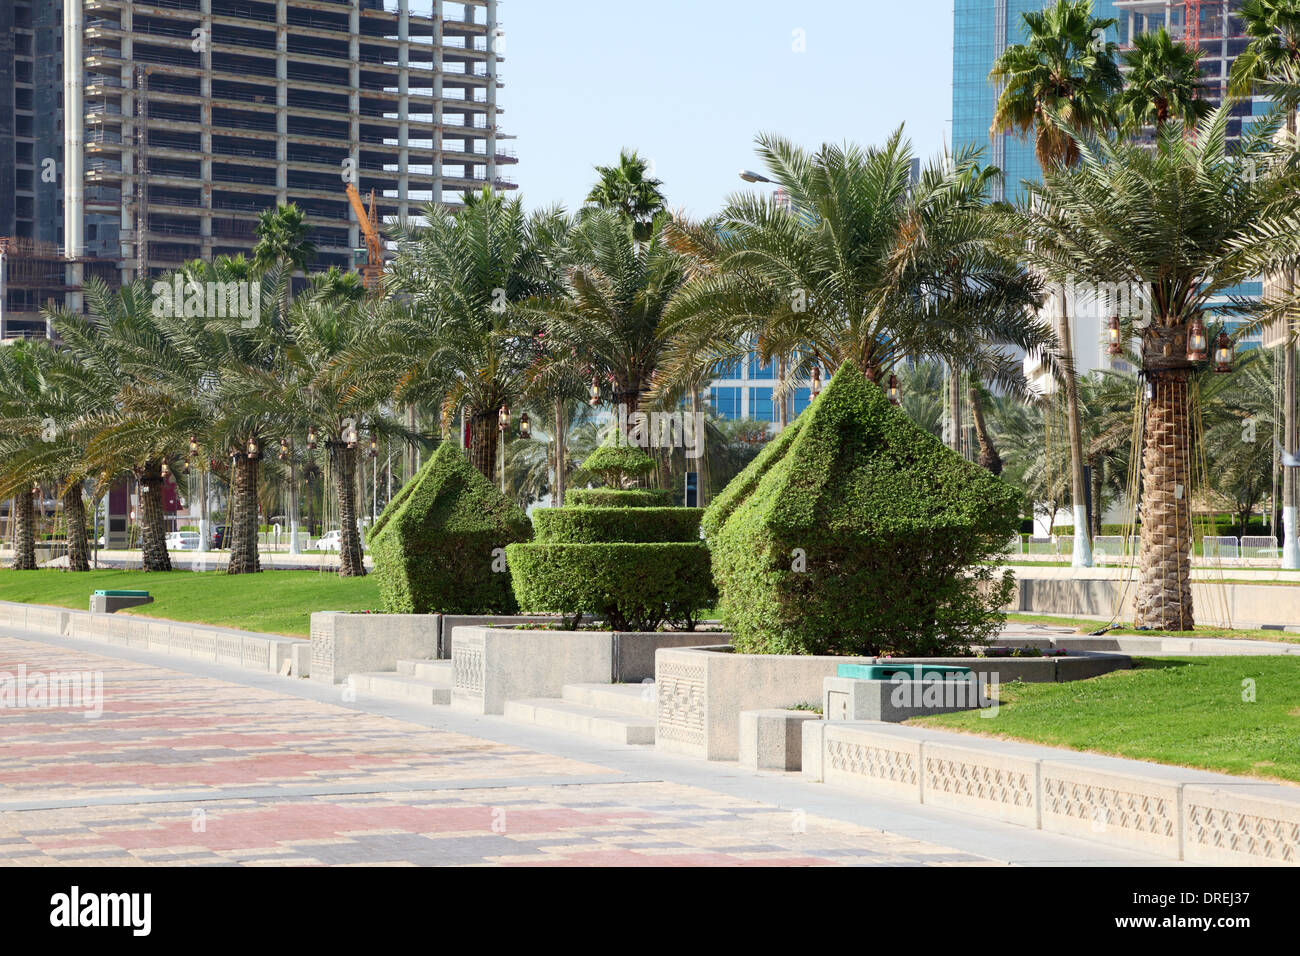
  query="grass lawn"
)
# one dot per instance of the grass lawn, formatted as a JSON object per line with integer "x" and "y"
{"x": 1184, "y": 711}
{"x": 1087, "y": 625}
{"x": 278, "y": 602}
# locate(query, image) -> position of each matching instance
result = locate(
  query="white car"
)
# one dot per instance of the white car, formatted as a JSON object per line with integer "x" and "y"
{"x": 183, "y": 541}
{"x": 330, "y": 541}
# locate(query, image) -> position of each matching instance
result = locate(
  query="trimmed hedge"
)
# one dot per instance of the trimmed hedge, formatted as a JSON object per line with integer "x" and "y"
{"x": 855, "y": 532}
{"x": 615, "y": 461}
{"x": 635, "y": 587}
{"x": 433, "y": 545}
{"x": 589, "y": 525}
{"x": 618, "y": 498}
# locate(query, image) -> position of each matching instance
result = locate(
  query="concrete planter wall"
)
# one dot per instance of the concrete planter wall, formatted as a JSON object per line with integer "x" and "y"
{"x": 344, "y": 643}
{"x": 493, "y": 665}
{"x": 1248, "y": 605}
{"x": 259, "y": 652}
{"x": 702, "y": 691}
{"x": 1175, "y": 812}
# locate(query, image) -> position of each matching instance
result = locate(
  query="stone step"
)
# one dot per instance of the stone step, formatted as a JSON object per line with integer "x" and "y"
{"x": 638, "y": 700}
{"x": 436, "y": 671}
{"x": 560, "y": 714}
{"x": 403, "y": 687}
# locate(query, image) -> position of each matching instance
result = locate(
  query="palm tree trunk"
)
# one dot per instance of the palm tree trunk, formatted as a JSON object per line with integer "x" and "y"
{"x": 343, "y": 462}
{"x": 153, "y": 520}
{"x": 74, "y": 516}
{"x": 560, "y": 453}
{"x": 1078, "y": 490}
{"x": 989, "y": 457}
{"x": 243, "y": 518}
{"x": 1290, "y": 518}
{"x": 1098, "y": 475}
{"x": 483, "y": 444}
{"x": 1164, "y": 600}
{"x": 954, "y": 409}
{"x": 24, "y": 531}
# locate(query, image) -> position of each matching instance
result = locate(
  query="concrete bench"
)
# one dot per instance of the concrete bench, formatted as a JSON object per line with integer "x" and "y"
{"x": 107, "y": 602}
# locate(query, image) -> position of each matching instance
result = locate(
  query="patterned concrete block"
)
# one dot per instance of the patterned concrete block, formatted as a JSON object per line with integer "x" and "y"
{"x": 1247, "y": 823}
{"x": 869, "y": 757}
{"x": 1135, "y": 807}
{"x": 978, "y": 779}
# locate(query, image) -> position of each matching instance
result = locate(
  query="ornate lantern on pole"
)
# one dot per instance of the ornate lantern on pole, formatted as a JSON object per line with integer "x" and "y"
{"x": 893, "y": 391}
{"x": 284, "y": 449}
{"x": 1113, "y": 335}
{"x": 194, "y": 447}
{"x": 311, "y": 437}
{"x": 1223, "y": 354}
{"x": 1197, "y": 343}
{"x": 374, "y": 446}
{"x": 594, "y": 392}
{"x": 524, "y": 427}
{"x": 503, "y": 418}
{"x": 816, "y": 381}
{"x": 252, "y": 449}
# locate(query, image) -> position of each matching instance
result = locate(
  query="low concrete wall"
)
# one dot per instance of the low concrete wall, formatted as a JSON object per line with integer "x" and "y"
{"x": 773, "y": 739}
{"x": 1174, "y": 812}
{"x": 1081, "y": 665}
{"x": 259, "y": 652}
{"x": 703, "y": 690}
{"x": 343, "y": 643}
{"x": 1248, "y": 605}
{"x": 491, "y": 665}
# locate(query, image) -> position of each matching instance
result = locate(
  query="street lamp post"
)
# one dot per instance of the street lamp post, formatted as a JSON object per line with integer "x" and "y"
{"x": 503, "y": 422}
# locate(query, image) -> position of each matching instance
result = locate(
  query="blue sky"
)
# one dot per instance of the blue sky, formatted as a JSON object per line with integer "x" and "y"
{"x": 690, "y": 82}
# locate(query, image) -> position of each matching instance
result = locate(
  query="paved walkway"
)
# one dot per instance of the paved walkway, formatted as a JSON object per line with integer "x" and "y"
{"x": 201, "y": 764}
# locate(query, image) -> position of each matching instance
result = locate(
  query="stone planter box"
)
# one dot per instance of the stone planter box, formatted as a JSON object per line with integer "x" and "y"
{"x": 492, "y": 665}
{"x": 703, "y": 690}
{"x": 773, "y": 739}
{"x": 344, "y": 643}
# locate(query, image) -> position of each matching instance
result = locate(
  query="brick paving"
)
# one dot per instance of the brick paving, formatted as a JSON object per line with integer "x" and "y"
{"x": 181, "y": 769}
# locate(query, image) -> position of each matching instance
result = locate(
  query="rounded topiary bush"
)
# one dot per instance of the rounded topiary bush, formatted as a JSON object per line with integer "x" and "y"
{"x": 615, "y": 554}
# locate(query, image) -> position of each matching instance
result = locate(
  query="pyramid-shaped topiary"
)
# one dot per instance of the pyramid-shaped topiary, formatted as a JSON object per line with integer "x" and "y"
{"x": 614, "y": 554}
{"x": 855, "y": 532}
{"x": 435, "y": 545}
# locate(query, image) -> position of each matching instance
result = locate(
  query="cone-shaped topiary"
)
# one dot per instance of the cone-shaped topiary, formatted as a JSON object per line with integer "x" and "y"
{"x": 855, "y": 532}
{"x": 435, "y": 545}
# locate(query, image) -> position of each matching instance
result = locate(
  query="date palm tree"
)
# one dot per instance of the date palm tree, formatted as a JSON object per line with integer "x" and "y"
{"x": 1162, "y": 82}
{"x": 860, "y": 266}
{"x": 460, "y": 342}
{"x": 1059, "y": 83}
{"x": 1179, "y": 222}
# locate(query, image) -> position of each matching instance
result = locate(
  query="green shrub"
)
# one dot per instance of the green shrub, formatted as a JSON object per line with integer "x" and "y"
{"x": 855, "y": 532}
{"x": 434, "y": 544}
{"x": 589, "y": 525}
{"x": 635, "y": 587}
{"x": 618, "y": 498}
{"x": 616, "y": 462}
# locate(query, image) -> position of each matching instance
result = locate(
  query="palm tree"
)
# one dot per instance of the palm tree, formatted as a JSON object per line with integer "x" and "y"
{"x": 861, "y": 266}
{"x": 23, "y": 431}
{"x": 1162, "y": 83}
{"x": 1061, "y": 82}
{"x": 1270, "y": 64}
{"x": 628, "y": 188}
{"x": 282, "y": 242}
{"x": 460, "y": 342}
{"x": 1179, "y": 222}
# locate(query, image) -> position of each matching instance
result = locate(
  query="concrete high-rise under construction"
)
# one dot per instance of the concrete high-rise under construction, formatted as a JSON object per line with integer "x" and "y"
{"x": 135, "y": 136}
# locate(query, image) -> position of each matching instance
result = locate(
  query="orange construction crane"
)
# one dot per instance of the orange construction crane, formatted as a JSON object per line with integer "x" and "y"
{"x": 373, "y": 270}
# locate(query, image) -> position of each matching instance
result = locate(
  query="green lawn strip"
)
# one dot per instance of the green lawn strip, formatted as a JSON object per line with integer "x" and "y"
{"x": 1188, "y": 712}
{"x": 1087, "y": 625}
{"x": 275, "y": 602}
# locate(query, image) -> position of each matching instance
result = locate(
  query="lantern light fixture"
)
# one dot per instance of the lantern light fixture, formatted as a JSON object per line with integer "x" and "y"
{"x": 374, "y": 447}
{"x": 893, "y": 391}
{"x": 311, "y": 436}
{"x": 165, "y": 470}
{"x": 252, "y": 448}
{"x": 503, "y": 418}
{"x": 1197, "y": 344}
{"x": 524, "y": 427}
{"x": 816, "y": 381}
{"x": 1223, "y": 354}
{"x": 194, "y": 446}
{"x": 594, "y": 392}
{"x": 1113, "y": 334}
{"x": 284, "y": 449}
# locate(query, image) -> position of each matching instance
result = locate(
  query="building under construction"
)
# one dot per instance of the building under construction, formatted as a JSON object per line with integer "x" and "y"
{"x": 135, "y": 136}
